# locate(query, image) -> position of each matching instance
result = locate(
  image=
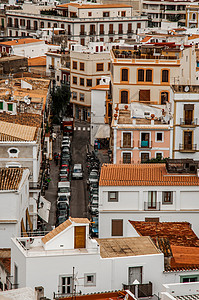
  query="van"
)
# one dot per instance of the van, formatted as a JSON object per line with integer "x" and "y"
{"x": 77, "y": 172}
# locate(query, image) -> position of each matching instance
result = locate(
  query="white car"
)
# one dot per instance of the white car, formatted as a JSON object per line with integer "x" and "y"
{"x": 64, "y": 188}
{"x": 77, "y": 172}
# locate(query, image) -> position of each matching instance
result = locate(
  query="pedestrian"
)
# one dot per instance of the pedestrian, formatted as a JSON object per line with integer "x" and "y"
{"x": 55, "y": 155}
{"x": 56, "y": 159}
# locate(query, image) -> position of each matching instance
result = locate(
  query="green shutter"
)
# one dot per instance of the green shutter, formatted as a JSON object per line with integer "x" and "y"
{"x": 10, "y": 107}
{"x": 1, "y": 105}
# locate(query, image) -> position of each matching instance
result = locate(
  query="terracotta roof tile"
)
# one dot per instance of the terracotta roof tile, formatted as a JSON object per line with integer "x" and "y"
{"x": 28, "y": 119}
{"x": 62, "y": 227}
{"x": 10, "y": 178}
{"x": 37, "y": 61}
{"x": 184, "y": 256}
{"x": 20, "y": 42}
{"x": 100, "y": 87}
{"x": 178, "y": 233}
{"x": 16, "y": 131}
{"x": 143, "y": 174}
{"x": 131, "y": 246}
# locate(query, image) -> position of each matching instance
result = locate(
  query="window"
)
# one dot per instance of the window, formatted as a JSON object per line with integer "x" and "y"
{"x": 89, "y": 279}
{"x": 126, "y": 139}
{"x": 145, "y": 140}
{"x": 188, "y": 114}
{"x": 10, "y": 107}
{"x": 13, "y": 152}
{"x": 82, "y": 81}
{"x": 74, "y": 80}
{"x": 101, "y": 28}
{"x": 164, "y": 97}
{"x": 89, "y": 14}
{"x": 81, "y": 66}
{"x": 74, "y": 96}
{"x": 144, "y": 95}
{"x": 74, "y": 65}
{"x": 106, "y": 14}
{"x": 112, "y": 196}
{"x": 57, "y": 78}
{"x": 152, "y": 198}
{"x": 188, "y": 136}
{"x": 135, "y": 273}
{"x": 89, "y": 82}
{"x": 100, "y": 67}
{"x": 126, "y": 158}
{"x": 141, "y": 75}
{"x": 1, "y": 105}
{"x": 148, "y": 75}
{"x": 190, "y": 278}
{"x": 144, "y": 157}
{"x": 159, "y": 137}
{"x": 125, "y": 74}
{"x": 124, "y": 97}
{"x": 167, "y": 197}
{"x": 49, "y": 25}
{"x": 152, "y": 220}
{"x": 158, "y": 155}
{"x": 81, "y": 97}
{"x": 165, "y": 76}
{"x": 66, "y": 284}
{"x": 120, "y": 28}
{"x": 98, "y": 81}
{"x": 123, "y": 13}
{"x": 82, "y": 42}
{"x": 42, "y": 24}
{"x": 109, "y": 64}
{"x": 117, "y": 227}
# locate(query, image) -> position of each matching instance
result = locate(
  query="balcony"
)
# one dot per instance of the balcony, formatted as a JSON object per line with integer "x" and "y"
{"x": 9, "y": 25}
{"x": 144, "y": 289}
{"x": 120, "y": 32}
{"x": 188, "y": 148}
{"x": 93, "y": 32}
{"x": 188, "y": 123}
{"x": 151, "y": 206}
{"x": 126, "y": 145}
{"x": 34, "y": 186}
{"x": 101, "y": 32}
{"x": 129, "y": 31}
{"x": 111, "y": 32}
{"x": 82, "y": 33}
{"x": 145, "y": 144}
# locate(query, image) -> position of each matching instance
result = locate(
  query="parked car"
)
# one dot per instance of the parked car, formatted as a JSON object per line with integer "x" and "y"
{"x": 93, "y": 208}
{"x": 61, "y": 219}
{"x": 77, "y": 172}
{"x": 93, "y": 177}
{"x": 94, "y": 199}
{"x": 64, "y": 188}
{"x": 94, "y": 227}
{"x": 94, "y": 191}
{"x": 62, "y": 209}
{"x": 65, "y": 199}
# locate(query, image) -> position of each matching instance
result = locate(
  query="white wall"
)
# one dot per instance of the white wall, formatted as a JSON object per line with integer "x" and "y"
{"x": 30, "y": 50}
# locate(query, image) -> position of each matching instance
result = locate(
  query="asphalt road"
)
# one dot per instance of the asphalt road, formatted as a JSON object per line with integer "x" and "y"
{"x": 79, "y": 194}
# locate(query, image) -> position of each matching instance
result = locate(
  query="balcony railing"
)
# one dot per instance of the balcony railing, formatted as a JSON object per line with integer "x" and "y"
{"x": 130, "y": 31}
{"x": 145, "y": 144}
{"x": 144, "y": 289}
{"x": 120, "y": 32}
{"x": 151, "y": 206}
{"x": 187, "y": 147}
{"x": 126, "y": 145}
{"x": 101, "y": 32}
{"x": 111, "y": 32}
{"x": 34, "y": 185}
{"x": 82, "y": 33}
{"x": 184, "y": 122}
{"x": 92, "y": 32}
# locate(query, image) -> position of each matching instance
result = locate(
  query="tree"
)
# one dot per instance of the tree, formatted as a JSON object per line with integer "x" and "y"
{"x": 61, "y": 103}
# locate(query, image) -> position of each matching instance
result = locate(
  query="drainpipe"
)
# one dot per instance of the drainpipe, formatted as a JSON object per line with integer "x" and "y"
{"x": 115, "y": 145}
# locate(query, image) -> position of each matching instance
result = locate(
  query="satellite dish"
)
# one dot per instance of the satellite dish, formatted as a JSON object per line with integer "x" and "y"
{"x": 181, "y": 47}
{"x": 25, "y": 99}
{"x": 7, "y": 93}
{"x": 28, "y": 101}
{"x": 7, "y": 81}
{"x": 186, "y": 89}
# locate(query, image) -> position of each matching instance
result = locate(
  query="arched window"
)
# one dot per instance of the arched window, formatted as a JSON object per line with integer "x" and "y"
{"x": 13, "y": 152}
{"x": 193, "y": 16}
{"x": 164, "y": 97}
{"x": 125, "y": 74}
{"x": 62, "y": 26}
{"x": 124, "y": 97}
{"x": 42, "y": 24}
{"x": 165, "y": 76}
{"x": 140, "y": 75}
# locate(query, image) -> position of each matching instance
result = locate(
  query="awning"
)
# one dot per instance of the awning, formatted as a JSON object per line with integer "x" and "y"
{"x": 44, "y": 210}
{"x": 103, "y": 132}
{"x": 23, "y": 229}
{"x": 29, "y": 220}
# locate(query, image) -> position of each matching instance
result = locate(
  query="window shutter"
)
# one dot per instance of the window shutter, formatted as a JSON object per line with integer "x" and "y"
{"x": 144, "y": 95}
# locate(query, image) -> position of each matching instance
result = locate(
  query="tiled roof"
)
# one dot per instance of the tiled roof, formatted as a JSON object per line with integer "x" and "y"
{"x": 10, "y": 131}
{"x": 28, "y": 119}
{"x": 10, "y": 178}
{"x": 178, "y": 233}
{"x": 62, "y": 227}
{"x": 20, "y": 42}
{"x": 37, "y": 61}
{"x": 131, "y": 246}
{"x": 194, "y": 36}
{"x": 146, "y": 39}
{"x": 143, "y": 174}
{"x": 91, "y": 6}
{"x": 184, "y": 256}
